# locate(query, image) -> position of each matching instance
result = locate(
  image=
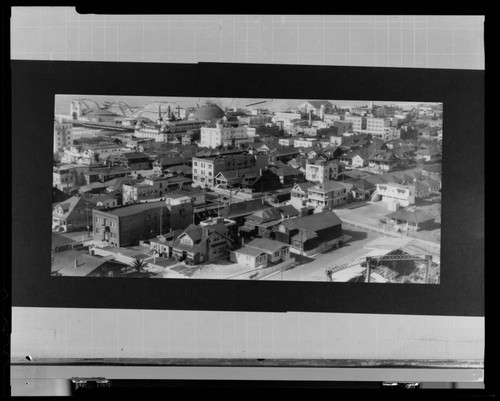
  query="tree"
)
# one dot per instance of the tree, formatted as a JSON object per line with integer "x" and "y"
{"x": 138, "y": 264}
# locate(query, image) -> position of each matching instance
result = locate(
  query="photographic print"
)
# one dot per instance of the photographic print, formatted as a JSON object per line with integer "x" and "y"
{"x": 247, "y": 189}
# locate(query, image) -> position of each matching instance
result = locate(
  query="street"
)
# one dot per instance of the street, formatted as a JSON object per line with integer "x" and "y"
{"x": 313, "y": 268}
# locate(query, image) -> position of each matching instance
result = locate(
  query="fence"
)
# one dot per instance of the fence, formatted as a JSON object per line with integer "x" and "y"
{"x": 67, "y": 247}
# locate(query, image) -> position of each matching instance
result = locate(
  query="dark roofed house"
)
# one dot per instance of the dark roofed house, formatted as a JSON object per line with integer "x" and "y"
{"x": 287, "y": 174}
{"x": 202, "y": 244}
{"x": 262, "y": 181}
{"x": 433, "y": 171}
{"x": 58, "y": 195}
{"x": 92, "y": 266}
{"x": 237, "y": 211}
{"x": 71, "y": 214}
{"x": 134, "y": 160}
{"x": 284, "y": 155}
{"x": 299, "y": 193}
{"x": 410, "y": 219}
{"x": 166, "y": 162}
{"x": 184, "y": 170}
{"x": 355, "y": 158}
{"x": 362, "y": 189}
{"x": 383, "y": 160}
{"x": 261, "y": 223}
{"x": 333, "y": 152}
{"x": 259, "y": 253}
{"x": 232, "y": 178}
{"x": 312, "y": 233}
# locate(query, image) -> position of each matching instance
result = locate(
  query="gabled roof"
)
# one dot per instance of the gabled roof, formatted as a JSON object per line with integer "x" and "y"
{"x": 318, "y": 103}
{"x": 353, "y": 153}
{"x": 288, "y": 210}
{"x": 134, "y": 155}
{"x": 266, "y": 245}
{"x": 363, "y": 184}
{"x": 413, "y": 216}
{"x": 116, "y": 183}
{"x": 313, "y": 222}
{"x": 244, "y": 208}
{"x": 239, "y": 173}
{"x": 328, "y": 186}
{"x": 250, "y": 251}
{"x": 86, "y": 264}
{"x": 265, "y": 215}
{"x": 304, "y": 186}
{"x": 69, "y": 205}
{"x": 383, "y": 156}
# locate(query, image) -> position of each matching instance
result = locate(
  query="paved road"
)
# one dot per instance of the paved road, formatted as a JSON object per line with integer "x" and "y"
{"x": 313, "y": 268}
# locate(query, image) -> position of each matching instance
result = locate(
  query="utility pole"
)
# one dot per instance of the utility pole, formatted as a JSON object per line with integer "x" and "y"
{"x": 427, "y": 267}
{"x": 368, "y": 269}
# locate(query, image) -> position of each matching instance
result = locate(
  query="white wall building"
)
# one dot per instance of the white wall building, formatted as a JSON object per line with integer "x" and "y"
{"x": 305, "y": 142}
{"x": 322, "y": 171}
{"x": 396, "y": 195}
{"x": 218, "y": 136}
{"x": 358, "y": 122}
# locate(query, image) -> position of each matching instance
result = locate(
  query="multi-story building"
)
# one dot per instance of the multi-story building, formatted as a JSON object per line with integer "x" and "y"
{"x": 91, "y": 154}
{"x": 395, "y": 195}
{"x": 134, "y": 161}
{"x": 305, "y": 142}
{"x": 169, "y": 131}
{"x": 68, "y": 177}
{"x": 202, "y": 244}
{"x": 378, "y": 126}
{"x": 128, "y": 225}
{"x": 358, "y": 122}
{"x": 63, "y": 136}
{"x": 319, "y": 170}
{"x": 311, "y": 233}
{"x": 71, "y": 214}
{"x": 221, "y": 135}
{"x": 287, "y": 141}
{"x": 152, "y": 188}
{"x": 328, "y": 194}
{"x": 206, "y": 168}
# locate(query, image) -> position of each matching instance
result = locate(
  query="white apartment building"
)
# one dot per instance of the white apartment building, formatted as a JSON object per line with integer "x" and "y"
{"x": 358, "y": 122}
{"x": 328, "y": 194}
{"x": 322, "y": 171}
{"x": 220, "y": 135}
{"x": 396, "y": 195}
{"x": 305, "y": 142}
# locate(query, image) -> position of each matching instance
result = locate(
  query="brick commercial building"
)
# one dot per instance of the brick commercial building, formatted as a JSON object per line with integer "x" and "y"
{"x": 128, "y": 225}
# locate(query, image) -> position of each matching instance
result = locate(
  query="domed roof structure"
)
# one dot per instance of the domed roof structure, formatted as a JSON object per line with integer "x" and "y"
{"x": 209, "y": 112}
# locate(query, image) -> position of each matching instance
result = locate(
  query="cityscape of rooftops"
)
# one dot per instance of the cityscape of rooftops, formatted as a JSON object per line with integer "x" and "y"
{"x": 247, "y": 189}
